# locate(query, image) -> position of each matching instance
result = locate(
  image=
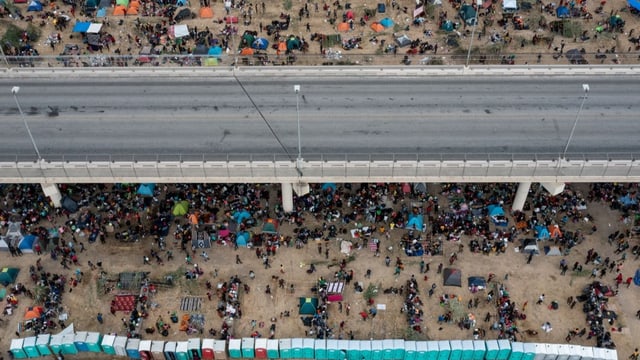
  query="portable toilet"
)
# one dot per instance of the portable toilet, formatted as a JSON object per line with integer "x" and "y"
{"x": 182, "y": 350}
{"x": 170, "y": 350}
{"x": 505, "y": 349}
{"x": 332, "y": 349}
{"x": 422, "y": 350}
{"x": 157, "y": 349}
{"x": 467, "y": 349}
{"x": 398, "y": 349}
{"x": 409, "y": 350}
{"x": 377, "y": 351}
{"x": 479, "y": 349}
{"x": 493, "y": 349}
{"x": 93, "y": 341}
{"x": 541, "y": 351}
{"x": 235, "y": 348}
{"x": 285, "y": 348}
{"x": 55, "y": 343}
{"x": 261, "y": 348}
{"x": 193, "y": 345}
{"x": 320, "y": 349}
{"x": 456, "y": 350}
{"x": 609, "y": 354}
{"x": 296, "y": 348}
{"x": 365, "y": 350}
{"x": 29, "y": 347}
{"x": 598, "y": 353}
{"x": 42, "y": 343}
{"x": 586, "y": 353}
{"x": 307, "y": 348}
{"x": 220, "y": 349}
{"x": 17, "y": 350}
{"x": 207, "y": 349}
{"x": 444, "y": 350}
{"x": 517, "y": 350}
{"x": 272, "y": 349}
{"x": 248, "y": 348}
{"x": 552, "y": 351}
{"x": 68, "y": 344}
{"x": 80, "y": 340}
{"x": 529, "y": 351}
{"x": 572, "y": 352}
{"x": 144, "y": 349}
{"x": 353, "y": 352}
{"x": 132, "y": 348}
{"x": 343, "y": 349}
{"x": 387, "y": 349}
{"x": 120, "y": 345}
{"x": 433, "y": 350}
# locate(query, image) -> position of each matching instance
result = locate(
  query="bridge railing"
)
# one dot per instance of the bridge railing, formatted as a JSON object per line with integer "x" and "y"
{"x": 322, "y": 167}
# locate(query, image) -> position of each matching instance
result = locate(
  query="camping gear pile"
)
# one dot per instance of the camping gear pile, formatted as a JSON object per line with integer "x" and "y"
{"x": 508, "y": 313}
{"x": 228, "y": 307}
{"x": 595, "y": 298}
{"x": 412, "y": 306}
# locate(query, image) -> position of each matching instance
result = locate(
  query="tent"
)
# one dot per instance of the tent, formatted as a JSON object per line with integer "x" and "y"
{"x": 14, "y": 233}
{"x": 8, "y": 275}
{"x": 562, "y": 12}
{"x": 308, "y": 306}
{"x": 240, "y": 216}
{"x": 282, "y": 46}
{"x": 270, "y": 226}
{"x": 447, "y": 25}
{"x": 247, "y": 38}
{"x": 260, "y": 44}
{"x": 636, "y": 278}
{"x": 509, "y": 6}
{"x": 206, "y": 13}
{"x": 468, "y": 14}
{"x": 343, "y": 27}
{"x": 33, "y": 312}
{"x": 146, "y": 189}
{"x": 496, "y": 212}
{"x": 81, "y": 27}
{"x": 69, "y": 204}
{"x": 627, "y": 200}
{"x": 211, "y": 61}
{"x": 403, "y": 41}
{"x": 181, "y": 208}
{"x": 119, "y": 10}
{"x": 329, "y": 186}
{"x": 418, "y": 12}
{"x": 178, "y": 31}
{"x": 215, "y": 51}
{"x": 530, "y": 246}
{"x": 554, "y": 231}
{"x": 34, "y": 6}
{"x": 28, "y": 243}
{"x": 378, "y": 28}
{"x": 478, "y": 282}
{"x": 543, "y": 233}
{"x": 382, "y": 8}
{"x": 231, "y": 19}
{"x": 414, "y": 249}
{"x": 452, "y": 277}
{"x": 247, "y": 51}
{"x": 415, "y": 222}
{"x": 201, "y": 49}
{"x": 243, "y": 238}
{"x": 552, "y": 251}
{"x": 124, "y": 3}
{"x": 349, "y": 14}
{"x": 102, "y": 12}
{"x": 386, "y": 22}
{"x": 293, "y": 43}
{"x": 132, "y": 11}
{"x": 634, "y": 4}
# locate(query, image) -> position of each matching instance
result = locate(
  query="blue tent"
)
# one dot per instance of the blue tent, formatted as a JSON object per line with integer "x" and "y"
{"x": 102, "y": 12}
{"x": 627, "y": 200}
{"x": 81, "y": 27}
{"x": 330, "y": 186}
{"x": 495, "y": 210}
{"x": 215, "y": 51}
{"x": 386, "y": 22}
{"x": 243, "y": 238}
{"x": 543, "y": 232}
{"x": 34, "y": 6}
{"x": 636, "y": 278}
{"x": 146, "y": 189}
{"x": 634, "y": 4}
{"x": 27, "y": 243}
{"x": 260, "y": 44}
{"x": 240, "y": 216}
{"x": 415, "y": 222}
{"x": 562, "y": 12}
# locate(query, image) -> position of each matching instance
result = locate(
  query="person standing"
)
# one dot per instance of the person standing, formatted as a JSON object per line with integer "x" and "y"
{"x": 238, "y": 261}
{"x": 99, "y": 318}
{"x": 530, "y": 258}
{"x": 540, "y": 299}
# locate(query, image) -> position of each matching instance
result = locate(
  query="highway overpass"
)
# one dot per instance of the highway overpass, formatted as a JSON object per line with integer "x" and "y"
{"x": 419, "y": 124}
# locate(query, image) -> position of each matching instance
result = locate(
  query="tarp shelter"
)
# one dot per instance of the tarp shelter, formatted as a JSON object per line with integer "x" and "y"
{"x": 452, "y": 277}
{"x": 181, "y": 208}
{"x": 260, "y": 44}
{"x": 8, "y": 275}
{"x": 81, "y": 27}
{"x": 270, "y": 226}
{"x": 345, "y": 247}
{"x": 377, "y": 27}
{"x": 509, "y": 6}
{"x": 634, "y": 4}
{"x": 14, "y": 234}
{"x": 308, "y": 306}
{"x": 34, "y": 6}
{"x": 28, "y": 243}
{"x": 530, "y": 246}
{"x": 478, "y": 282}
{"x": 552, "y": 251}
{"x": 146, "y": 189}
{"x": 562, "y": 12}
{"x": 178, "y": 31}
{"x": 215, "y": 51}
{"x": 242, "y": 239}
{"x": 206, "y": 13}
{"x": 33, "y": 312}
{"x": 415, "y": 222}
{"x": 418, "y": 12}
{"x": 403, "y": 41}
{"x": 343, "y": 27}
{"x": 386, "y": 22}
{"x": 94, "y": 28}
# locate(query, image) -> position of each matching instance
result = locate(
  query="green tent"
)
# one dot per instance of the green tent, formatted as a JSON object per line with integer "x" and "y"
{"x": 9, "y": 275}
{"x": 247, "y": 40}
{"x": 468, "y": 14}
{"x": 270, "y": 226}
{"x": 181, "y": 208}
{"x": 308, "y": 306}
{"x": 447, "y": 25}
{"x": 124, "y": 3}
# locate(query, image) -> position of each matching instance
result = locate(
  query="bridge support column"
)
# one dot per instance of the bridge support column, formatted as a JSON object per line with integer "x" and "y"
{"x": 521, "y": 196}
{"x": 553, "y": 188}
{"x": 287, "y": 197}
{"x": 52, "y": 191}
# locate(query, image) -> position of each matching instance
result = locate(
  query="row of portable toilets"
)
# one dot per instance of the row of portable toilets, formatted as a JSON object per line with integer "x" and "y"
{"x": 300, "y": 348}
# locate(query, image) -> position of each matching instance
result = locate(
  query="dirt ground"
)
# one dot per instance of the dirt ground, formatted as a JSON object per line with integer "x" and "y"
{"x": 516, "y": 43}
{"x": 524, "y": 282}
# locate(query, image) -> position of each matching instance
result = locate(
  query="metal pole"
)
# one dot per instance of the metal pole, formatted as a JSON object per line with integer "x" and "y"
{"x": 296, "y": 88}
{"x": 585, "y": 88}
{"x": 473, "y": 32}
{"x": 14, "y": 91}
{"x": 4, "y": 57}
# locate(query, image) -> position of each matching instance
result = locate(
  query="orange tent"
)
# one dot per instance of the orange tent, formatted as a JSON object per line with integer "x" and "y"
{"x": 33, "y": 313}
{"x": 282, "y": 46}
{"x": 554, "y": 231}
{"x": 246, "y": 51}
{"x": 132, "y": 11}
{"x": 119, "y": 11}
{"x": 343, "y": 27}
{"x": 134, "y": 4}
{"x": 377, "y": 27}
{"x": 206, "y": 13}
{"x": 193, "y": 219}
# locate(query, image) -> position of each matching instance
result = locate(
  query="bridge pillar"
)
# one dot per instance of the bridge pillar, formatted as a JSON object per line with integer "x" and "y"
{"x": 52, "y": 191}
{"x": 521, "y": 196}
{"x": 287, "y": 197}
{"x": 553, "y": 188}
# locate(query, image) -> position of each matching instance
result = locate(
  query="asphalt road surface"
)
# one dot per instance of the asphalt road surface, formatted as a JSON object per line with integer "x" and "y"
{"x": 378, "y": 115}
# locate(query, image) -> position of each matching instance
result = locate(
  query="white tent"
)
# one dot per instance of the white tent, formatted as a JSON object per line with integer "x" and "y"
{"x": 94, "y": 28}
{"x": 509, "y": 5}
{"x": 14, "y": 234}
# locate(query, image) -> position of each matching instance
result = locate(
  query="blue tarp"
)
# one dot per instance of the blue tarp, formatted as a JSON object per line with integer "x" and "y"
{"x": 562, "y": 12}
{"x": 386, "y": 22}
{"x": 415, "y": 249}
{"x": 242, "y": 238}
{"x": 260, "y": 44}
{"x": 240, "y": 216}
{"x": 81, "y": 27}
{"x": 415, "y": 222}
{"x": 34, "y": 6}
{"x": 215, "y": 51}
{"x": 634, "y": 4}
{"x": 627, "y": 200}
{"x": 146, "y": 189}
{"x": 636, "y": 278}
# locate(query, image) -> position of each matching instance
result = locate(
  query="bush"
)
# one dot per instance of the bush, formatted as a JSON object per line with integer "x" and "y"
{"x": 13, "y": 35}
{"x": 287, "y": 5}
